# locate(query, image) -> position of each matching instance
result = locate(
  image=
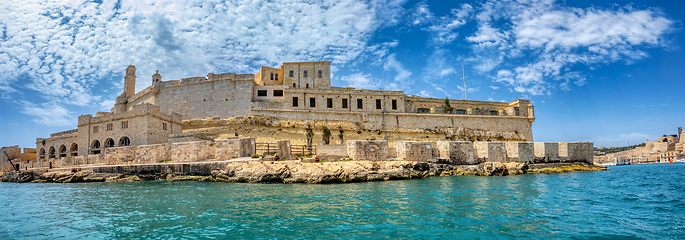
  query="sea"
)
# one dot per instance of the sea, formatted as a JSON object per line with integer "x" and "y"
{"x": 625, "y": 202}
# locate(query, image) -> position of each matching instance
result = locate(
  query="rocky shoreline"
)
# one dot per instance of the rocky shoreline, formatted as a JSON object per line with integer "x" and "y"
{"x": 288, "y": 171}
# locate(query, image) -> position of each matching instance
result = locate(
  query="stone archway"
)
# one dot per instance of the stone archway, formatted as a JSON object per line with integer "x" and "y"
{"x": 73, "y": 149}
{"x": 124, "y": 141}
{"x": 62, "y": 151}
{"x": 95, "y": 147}
{"x": 109, "y": 143}
{"x": 51, "y": 152}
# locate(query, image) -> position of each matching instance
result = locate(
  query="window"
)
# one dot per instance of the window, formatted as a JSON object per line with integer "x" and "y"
{"x": 278, "y": 93}
{"x": 96, "y": 144}
{"x": 272, "y": 76}
{"x": 494, "y": 113}
{"x": 293, "y": 85}
{"x": 378, "y": 104}
{"x": 261, "y": 93}
{"x": 96, "y": 129}
{"x": 124, "y": 124}
{"x": 461, "y": 111}
{"x": 291, "y": 73}
{"x": 296, "y": 103}
{"x": 329, "y": 103}
{"x": 276, "y": 77}
{"x": 164, "y": 127}
{"x": 312, "y": 102}
{"x": 423, "y": 110}
{"x": 304, "y": 74}
{"x": 320, "y": 74}
{"x": 109, "y": 143}
{"x": 307, "y": 85}
{"x": 344, "y": 103}
{"x": 394, "y": 104}
{"x": 110, "y": 127}
{"x": 125, "y": 141}
{"x": 359, "y": 104}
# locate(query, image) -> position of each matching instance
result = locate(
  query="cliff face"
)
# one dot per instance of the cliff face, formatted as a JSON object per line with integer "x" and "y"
{"x": 287, "y": 171}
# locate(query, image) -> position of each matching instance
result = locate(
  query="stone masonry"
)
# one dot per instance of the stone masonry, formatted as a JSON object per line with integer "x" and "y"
{"x": 367, "y": 150}
{"x": 414, "y": 150}
{"x": 459, "y": 152}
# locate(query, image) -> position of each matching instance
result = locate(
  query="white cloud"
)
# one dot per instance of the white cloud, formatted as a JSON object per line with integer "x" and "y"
{"x": 48, "y": 114}
{"x": 360, "y": 80}
{"x": 65, "y": 47}
{"x": 442, "y": 29}
{"x": 425, "y": 93}
{"x": 541, "y": 40}
{"x": 392, "y": 64}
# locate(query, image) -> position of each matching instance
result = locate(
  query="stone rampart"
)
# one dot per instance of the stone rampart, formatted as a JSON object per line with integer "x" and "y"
{"x": 490, "y": 151}
{"x": 192, "y": 151}
{"x": 520, "y": 151}
{"x": 459, "y": 152}
{"x": 576, "y": 152}
{"x": 119, "y": 155}
{"x": 152, "y": 153}
{"x": 546, "y": 152}
{"x": 414, "y": 150}
{"x": 367, "y": 150}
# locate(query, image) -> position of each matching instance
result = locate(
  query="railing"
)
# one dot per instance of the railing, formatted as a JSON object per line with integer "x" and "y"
{"x": 265, "y": 148}
{"x": 302, "y": 150}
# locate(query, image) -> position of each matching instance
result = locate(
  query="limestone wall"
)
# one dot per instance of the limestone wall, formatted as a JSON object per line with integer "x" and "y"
{"x": 490, "y": 151}
{"x": 367, "y": 150}
{"x": 546, "y": 152}
{"x": 119, "y": 155}
{"x": 414, "y": 150}
{"x": 520, "y": 151}
{"x": 331, "y": 152}
{"x": 459, "y": 152}
{"x": 576, "y": 152}
{"x": 152, "y": 153}
{"x": 192, "y": 151}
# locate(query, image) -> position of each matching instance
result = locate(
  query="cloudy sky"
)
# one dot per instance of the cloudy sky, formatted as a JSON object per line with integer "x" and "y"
{"x": 601, "y": 71}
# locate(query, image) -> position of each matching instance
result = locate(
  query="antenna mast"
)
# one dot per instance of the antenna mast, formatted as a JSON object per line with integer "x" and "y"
{"x": 463, "y": 77}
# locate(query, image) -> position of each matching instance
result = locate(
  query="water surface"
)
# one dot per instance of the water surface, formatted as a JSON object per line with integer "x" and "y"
{"x": 627, "y": 202}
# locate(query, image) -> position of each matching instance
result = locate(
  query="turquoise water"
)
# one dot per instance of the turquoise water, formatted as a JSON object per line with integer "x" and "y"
{"x": 626, "y": 202}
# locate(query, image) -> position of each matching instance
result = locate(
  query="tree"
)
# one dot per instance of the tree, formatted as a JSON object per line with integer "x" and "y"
{"x": 448, "y": 108}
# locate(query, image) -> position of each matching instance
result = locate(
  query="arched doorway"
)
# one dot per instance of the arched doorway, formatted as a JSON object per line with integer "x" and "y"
{"x": 41, "y": 153}
{"x": 124, "y": 141}
{"x": 74, "y": 149}
{"x": 95, "y": 147}
{"x": 51, "y": 152}
{"x": 62, "y": 151}
{"x": 109, "y": 143}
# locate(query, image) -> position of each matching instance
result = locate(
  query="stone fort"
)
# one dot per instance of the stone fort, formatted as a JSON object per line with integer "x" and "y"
{"x": 295, "y": 90}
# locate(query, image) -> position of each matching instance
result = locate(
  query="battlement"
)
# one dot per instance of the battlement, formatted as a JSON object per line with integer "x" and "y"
{"x": 135, "y": 111}
{"x": 64, "y": 133}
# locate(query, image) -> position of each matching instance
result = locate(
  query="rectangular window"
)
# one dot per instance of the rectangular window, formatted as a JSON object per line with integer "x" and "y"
{"x": 304, "y": 74}
{"x": 296, "y": 102}
{"x": 320, "y": 74}
{"x": 272, "y": 76}
{"x": 96, "y": 129}
{"x": 261, "y": 93}
{"x": 359, "y": 104}
{"x": 494, "y": 113}
{"x": 344, "y": 103}
{"x": 110, "y": 126}
{"x": 291, "y": 73}
{"x": 276, "y": 77}
{"x": 312, "y": 102}
{"x": 164, "y": 127}
{"x": 329, "y": 103}
{"x": 460, "y": 111}
{"x": 394, "y": 104}
{"x": 378, "y": 104}
{"x": 124, "y": 124}
{"x": 278, "y": 93}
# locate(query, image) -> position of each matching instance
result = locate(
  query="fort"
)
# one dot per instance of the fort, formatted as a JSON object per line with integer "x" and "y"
{"x": 197, "y": 119}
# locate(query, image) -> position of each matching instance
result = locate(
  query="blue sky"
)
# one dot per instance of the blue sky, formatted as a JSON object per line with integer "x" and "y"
{"x": 606, "y": 72}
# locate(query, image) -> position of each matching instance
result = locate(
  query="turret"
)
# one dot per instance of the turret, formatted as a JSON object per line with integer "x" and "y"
{"x": 130, "y": 81}
{"x": 156, "y": 79}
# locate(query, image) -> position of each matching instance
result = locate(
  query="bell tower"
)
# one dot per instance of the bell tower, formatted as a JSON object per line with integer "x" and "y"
{"x": 130, "y": 81}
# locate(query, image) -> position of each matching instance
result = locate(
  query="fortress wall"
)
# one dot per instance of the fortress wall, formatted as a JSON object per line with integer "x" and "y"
{"x": 119, "y": 155}
{"x": 224, "y": 99}
{"x": 490, "y": 151}
{"x": 152, "y": 153}
{"x": 393, "y": 121}
{"x": 367, "y": 150}
{"x": 546, "y": 152}
{"x": 520, "y": 151}
{"x": 192, "y": 151}
{"x": 232, "y": 148}
{"x": 414, "y": 151}
{"x": 337, "y": 96}
{"x": 460, "y": 152}
{"x": 331, "y": 152}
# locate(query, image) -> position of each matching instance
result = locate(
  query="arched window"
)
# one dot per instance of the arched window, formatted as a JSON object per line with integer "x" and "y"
{"x": 74, "y": 149}
{"x": 62, "y": 151}
{"x": 124, "y": 141}
{"x": 96, "y": 144}
{"x": 41, "y": 153}
{"x": 109, "y": 143}
{"x": 51, "y": 152}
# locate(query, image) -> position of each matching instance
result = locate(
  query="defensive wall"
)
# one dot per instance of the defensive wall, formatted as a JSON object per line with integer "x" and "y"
{"x": 452, "y": 152}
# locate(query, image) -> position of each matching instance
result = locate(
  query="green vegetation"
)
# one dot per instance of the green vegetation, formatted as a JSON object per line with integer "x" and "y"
{"x": 619, "y": 149}
{"x": 448, "y": 108}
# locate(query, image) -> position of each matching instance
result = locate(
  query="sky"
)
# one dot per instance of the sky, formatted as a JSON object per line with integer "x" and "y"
{"x": 609, "y": 72}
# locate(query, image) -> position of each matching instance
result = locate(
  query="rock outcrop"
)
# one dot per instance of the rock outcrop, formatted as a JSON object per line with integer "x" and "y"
{"x": 297, "y": 172}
